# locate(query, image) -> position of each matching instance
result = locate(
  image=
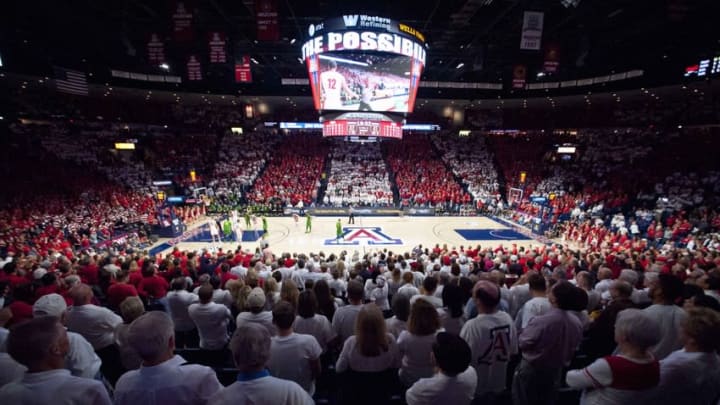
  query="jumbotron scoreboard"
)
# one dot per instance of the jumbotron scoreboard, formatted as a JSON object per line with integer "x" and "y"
{"x": 369, "y": 68}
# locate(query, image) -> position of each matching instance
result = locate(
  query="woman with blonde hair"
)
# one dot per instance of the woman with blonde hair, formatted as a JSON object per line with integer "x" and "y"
{"x": 272, "y": 295}
{"x": 235, "y": 287}
{"x": 415, "y": 343}
{"x": 289, "y": 292}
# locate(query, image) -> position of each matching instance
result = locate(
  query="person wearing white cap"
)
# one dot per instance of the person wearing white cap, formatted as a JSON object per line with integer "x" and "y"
{"x": 250, "y": 346}
{"x": 41, "y": 344}
{"x": 81, "y": 359}
{"x": 256, "y": 304}
{"x": 163, "y": 378}
{"x": 211, "y": 320}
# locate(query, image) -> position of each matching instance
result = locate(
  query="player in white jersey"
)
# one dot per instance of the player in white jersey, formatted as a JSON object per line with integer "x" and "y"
{"x": 333, "y": 84}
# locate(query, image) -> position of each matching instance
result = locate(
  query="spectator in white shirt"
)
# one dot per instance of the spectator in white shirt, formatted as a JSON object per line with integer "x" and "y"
{"x": 131, "y": 308}
{"x": 41, "y": 344}
{"x": 416, "y": 342}
{"x": 164, "y": 378}
{"x": 211, "y": 320}
{"x": 454, "y": 381}
{"x": 10, "y": 370}
{"x": 429, "y": 285}
{"x": 538, "y": 304}
{"x": 250, "y": 346}
{"x": 178, "y": 301}
{"x": 401, "y": 311}
{"x": 309, "y": 322}
{"x": 293, "y": 356}
{"x": 97, "y": 325}
{"x": 408, "y": 288}
{"x": 376, "y": 291}
{"x": 691, "y": 375}
{"x": 605, "y": 279}
{"x": 343, "y": 322}
{"x": 256, "y": 303}
{"x": 371, "y": 349}
{"x": 81, "y": 359}
{"x": 664, "y": 293}
{"x": 452, "y": 314}
{"x": 492, "y": 338}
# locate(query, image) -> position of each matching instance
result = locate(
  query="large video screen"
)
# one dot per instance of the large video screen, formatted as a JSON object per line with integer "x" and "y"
{"x": 365, "y": 82}
{"x": 363, "y": 63}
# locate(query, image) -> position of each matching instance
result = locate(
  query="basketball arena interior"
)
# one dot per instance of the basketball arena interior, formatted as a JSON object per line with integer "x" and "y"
{"x": 487, "y": 202}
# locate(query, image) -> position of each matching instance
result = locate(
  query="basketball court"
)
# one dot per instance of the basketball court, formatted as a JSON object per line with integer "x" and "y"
{"x": 398, "y": 234}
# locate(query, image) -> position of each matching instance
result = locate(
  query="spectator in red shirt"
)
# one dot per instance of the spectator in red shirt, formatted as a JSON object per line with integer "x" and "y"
{"x": 21, "y": 306}
{"x": 225, "y": 274}
{"x": 152, "y": 286}
{"x": 120, "y": 289}
{"x": 90, "y": 272}
{"x": 48, "y": 285}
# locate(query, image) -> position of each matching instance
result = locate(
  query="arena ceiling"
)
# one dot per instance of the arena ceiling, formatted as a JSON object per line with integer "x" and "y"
{"x": 594, "y": 37}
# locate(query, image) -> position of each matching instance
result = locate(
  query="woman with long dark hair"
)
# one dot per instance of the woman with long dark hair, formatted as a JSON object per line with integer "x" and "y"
{"x": 326, "y": 302}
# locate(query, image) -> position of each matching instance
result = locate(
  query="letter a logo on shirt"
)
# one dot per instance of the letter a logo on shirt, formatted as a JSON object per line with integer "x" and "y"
{"x": 350, "y": 20}
{"x": 498, "y": 348}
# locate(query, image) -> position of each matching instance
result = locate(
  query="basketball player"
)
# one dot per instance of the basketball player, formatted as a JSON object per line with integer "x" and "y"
{"x": 366, "y": 97}
{"x": 308, "y": 223}
{"x": 214, "y": 231}
{"x": 338, "y": 230}
{"x": 333, "y": 84}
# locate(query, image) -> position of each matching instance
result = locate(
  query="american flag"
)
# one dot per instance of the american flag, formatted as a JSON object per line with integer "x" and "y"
{"x": 71, "y": 81}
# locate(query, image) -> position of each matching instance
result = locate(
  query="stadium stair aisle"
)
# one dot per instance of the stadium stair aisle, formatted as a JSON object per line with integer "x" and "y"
{"x": 327, "y": 166}
{"x": 391, "y": 176}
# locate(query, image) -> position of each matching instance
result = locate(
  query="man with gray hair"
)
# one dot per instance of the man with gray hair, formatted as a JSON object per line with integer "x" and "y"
{"x": 250, "y": 346}
{"x": 164, "y": 378}
{"x": 41, "y": 344}
{"x": 81, "y": 360}
{"x": 97, "y": 325}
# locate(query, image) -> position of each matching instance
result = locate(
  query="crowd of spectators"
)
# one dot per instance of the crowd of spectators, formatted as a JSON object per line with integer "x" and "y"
{"x": 358, "y": 176}
{"x": 293, "y": 174}
{"x": 620, "y": 322}
{"x": 421, "y": 177}
{"x": 472, "y": 162}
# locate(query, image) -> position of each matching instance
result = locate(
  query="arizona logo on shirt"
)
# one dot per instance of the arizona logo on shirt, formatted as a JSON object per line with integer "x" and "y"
{"x": 354, "y": 236}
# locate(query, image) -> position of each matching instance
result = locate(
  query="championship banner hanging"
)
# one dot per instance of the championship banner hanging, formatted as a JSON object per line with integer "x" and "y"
{"x": 531, "y": 36}
{"x": 243, "y": 72}
{"x": 182, "y": 22}
{"x": 267, "y": 20}
{"x": 519, "y": 75}
{"x": 193, "y": 69}
{"x": 217, "y": 44}
{"x": 552, "y": 58}
{"x": 156, "y": 50}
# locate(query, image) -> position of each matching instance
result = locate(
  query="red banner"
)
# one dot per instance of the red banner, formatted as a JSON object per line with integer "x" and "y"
{"x": 182, "y": 21}
{"x": 217, "y": 43}
{"x": 194, "y": 70}
{"x": 552, "y": 58}
{"x": 156, "y": 50}
{"x": 519, "y": 76}
{"x": 243, "y": 73}
{"x": 267, "y": 20}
